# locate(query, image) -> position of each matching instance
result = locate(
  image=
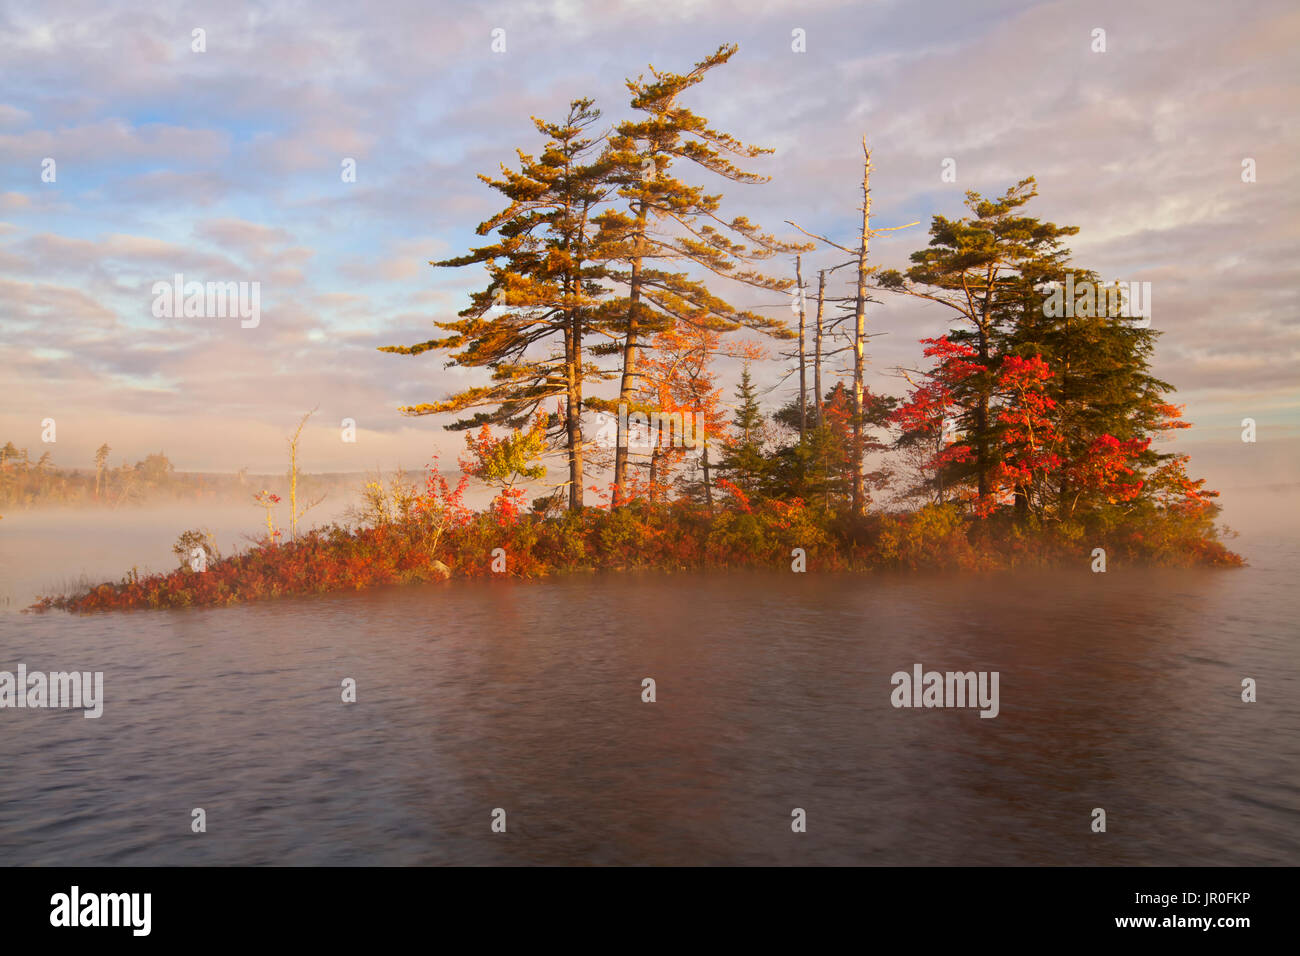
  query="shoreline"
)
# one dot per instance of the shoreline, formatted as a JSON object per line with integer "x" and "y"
{"x": 671, "y": 539}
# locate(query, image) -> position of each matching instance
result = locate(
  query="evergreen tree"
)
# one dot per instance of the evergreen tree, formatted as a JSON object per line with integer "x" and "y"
{"x": 528, "y": 326}
{"x": 1054, "y": 406}
{"x": 668, "y": 224}
{"x": 820, "y": 467}
{"x": 1101, "y": 386}
{"x": 745, "y": 462}
{"x": 984, "y": 267}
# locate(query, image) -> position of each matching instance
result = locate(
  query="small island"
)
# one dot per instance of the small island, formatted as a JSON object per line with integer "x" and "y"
{"x": 1026, "y": 435}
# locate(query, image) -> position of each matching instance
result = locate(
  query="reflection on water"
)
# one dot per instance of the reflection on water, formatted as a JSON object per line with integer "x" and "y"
{"x": 1119, "y": 691}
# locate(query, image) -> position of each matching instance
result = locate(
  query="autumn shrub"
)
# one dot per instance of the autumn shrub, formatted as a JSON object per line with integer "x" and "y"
{"x": 792, "y": 524}
{"x": 189, "y": 543}
{"x": 934, "y": 536}
{"x": 621, "y": 535}
{"x": 562, "y": 538}
{"x": 1169, "y": 536}
{"x": 735, "y": 537}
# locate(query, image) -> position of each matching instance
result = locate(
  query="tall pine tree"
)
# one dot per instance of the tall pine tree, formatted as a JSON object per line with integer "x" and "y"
{"x": 529, "y": 325}
{"x": 670, "y": 231}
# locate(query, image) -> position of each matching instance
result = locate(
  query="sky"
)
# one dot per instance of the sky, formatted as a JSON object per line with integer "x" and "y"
{"x": 226, "y": 164}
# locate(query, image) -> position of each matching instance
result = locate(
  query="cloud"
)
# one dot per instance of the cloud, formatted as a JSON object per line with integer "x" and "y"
{"x": 112, "y": 140}
{"x": 225, "y": 165}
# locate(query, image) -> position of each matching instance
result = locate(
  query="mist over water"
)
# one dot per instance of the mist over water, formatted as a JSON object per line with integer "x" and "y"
{"x": 1118, "y": 690}
{"x": 52, "y": 550}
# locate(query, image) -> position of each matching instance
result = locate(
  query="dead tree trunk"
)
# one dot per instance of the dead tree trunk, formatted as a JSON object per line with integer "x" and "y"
{"x": 860, "y": 333}
{"x": 859, "y": 257}
{"x": 803, "y": 354}
{"x": 817, "y": 347}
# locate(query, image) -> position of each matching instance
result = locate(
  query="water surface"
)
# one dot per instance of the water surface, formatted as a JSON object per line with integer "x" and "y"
{"x": 1119, "y": 691}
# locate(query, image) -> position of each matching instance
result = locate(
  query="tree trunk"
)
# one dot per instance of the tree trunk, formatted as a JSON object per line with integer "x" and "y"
{"x": 982, "y": 423}
{"x": 859, "y": 334}
{"x": 708, "y": 487}
{"x": 817, "y": 359}
{"x": 573, "y": 416}
{"x": 627, "y": 384}
{"x": 938, "y": 472}
{"x": 293, "y": 485}
{"x": 803, "y": 355}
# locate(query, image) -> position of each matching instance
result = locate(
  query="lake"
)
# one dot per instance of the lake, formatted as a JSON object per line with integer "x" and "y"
{"x": 1119, "y": 691}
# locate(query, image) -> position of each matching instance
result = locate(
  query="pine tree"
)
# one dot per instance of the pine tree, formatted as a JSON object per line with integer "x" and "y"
{"x": 984, "y": 268}
{"x": 819, "y": 467}
{"x": 669, "y": 223}
{"x": 1101, "y": 386}
{"x": 543, "y": 292}
{"x": 745, "y": 463}
{"x": 1055, "y": 407}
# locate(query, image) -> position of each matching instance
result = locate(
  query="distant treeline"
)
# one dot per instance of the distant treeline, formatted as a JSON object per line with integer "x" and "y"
{"x": 25, "y": 483}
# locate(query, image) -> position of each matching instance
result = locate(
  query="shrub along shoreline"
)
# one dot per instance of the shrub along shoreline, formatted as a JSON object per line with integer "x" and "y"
{"x": 434, "y": 538}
